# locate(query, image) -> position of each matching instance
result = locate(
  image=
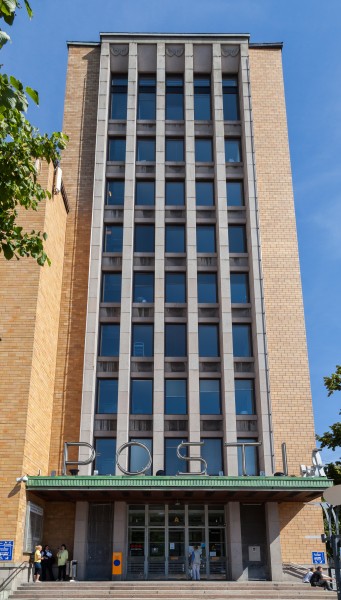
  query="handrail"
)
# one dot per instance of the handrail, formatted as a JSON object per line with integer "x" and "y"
{"x": 13, "y": 574}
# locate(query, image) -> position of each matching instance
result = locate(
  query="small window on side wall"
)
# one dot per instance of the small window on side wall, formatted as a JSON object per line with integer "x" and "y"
{"x": 244, "y": 396}
{"x": 204, "y": 193}
{"x": 234, "y": 193}
{"x": 141, "y": 397}
{"x": 175, "y": 397}
{"x": 233, "y": 153}
{"x": 119, "y": 89}
{"x": 144, "y": 238}
{"x": 113, "y": 238}
{"x": 115, "y": 193}
{"x": 111, "y": 287}
{"x": 145, "y": 193}
{"x": 107, "y": 396}
{"x": 117, "y": 149}
{"x": 175, "y": 193}
{"x": 230, "y": 99}
{"x": 143, "y": 287}
{"x": 237, "y": 239}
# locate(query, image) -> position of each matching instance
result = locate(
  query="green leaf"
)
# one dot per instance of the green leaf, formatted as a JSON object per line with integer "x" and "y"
{"x": 4, "y": 38}
{"x": 7, "y": 7}
{"x": 8, "y": 252}
{"x": 16, "y": 83}
{"x": 33, "y": 94}
{"x": 29, "y": 9}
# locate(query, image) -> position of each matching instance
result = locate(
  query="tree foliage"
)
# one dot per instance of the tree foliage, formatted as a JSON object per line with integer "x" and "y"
{"x": 332, "y": 439}
{"x": 21, "y": 146}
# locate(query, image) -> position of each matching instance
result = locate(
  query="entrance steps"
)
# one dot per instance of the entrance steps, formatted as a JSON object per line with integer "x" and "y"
{"x": 169, "y": 590}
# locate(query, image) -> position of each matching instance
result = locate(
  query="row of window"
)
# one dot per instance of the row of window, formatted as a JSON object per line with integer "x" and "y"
{"x": 146, "y": 106}
{"x": 175, "y": 340}
{"x": 175, "y": 239}
{"x": 175, "y": 150}
{"x": 174, "y": 193}
{"x": 175, "y": 287}
{"x": 141, "y": 397}
{"x": 211, "y": 451}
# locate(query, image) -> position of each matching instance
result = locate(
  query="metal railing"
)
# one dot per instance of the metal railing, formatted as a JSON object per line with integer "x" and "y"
{"x": 13, "y": 574}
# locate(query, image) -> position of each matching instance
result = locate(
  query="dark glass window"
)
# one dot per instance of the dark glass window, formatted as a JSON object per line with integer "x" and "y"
{"x": 242, "y": 343}
{"x": 175, "y": 340}
{"x": 141, "y": 397}
{"x": 237, "y": 239}
{"x": 146, "y": 108}
{"x": 174, "y": 150}
{"x": 175, "y": 396}
{"x": 139, "y": 457}
{"x": 111, "y": 287}
{"x": 175, "y": 238}
{"x": 119, "y": 89}
{"x": 207, "y": 288}
{"x": 245, "y": 396}
{"x": 145, "y": 193}
{"x": 113, "y": 238}
{"x": 202, "y": 98}
{"x": 143, "y": 287}
{"x": 117, "y": 149}
{"x": 105, "y": 461}
{"x": 204, "y": 193}
{"x": 239, "y": 288}
{"x": 206, "y": 239}
{"x": 203, "y": 150}
{"x": 174, "y": 98}
{"x": 230, "y": 99}
{"x": 115, "y": 193}
{"x": 144, "y": 238}
{"x": 232, "y": 151}
{"x": 110, "y": 340}
{"x": 208, "y": 340}
{"x": 173, "y": 464}
{"x": 234, "y": 193}
{"x": 146, "y": 150}
{"x": 107, "y": 396}
{"x": 175, "y": 193}
{"x": 251, "y": 457}
{"x": 211, "y": 451}
{"x": 143, "y": 340}
{"x": 210, "y": 401}
{"x": 175, "y": 284}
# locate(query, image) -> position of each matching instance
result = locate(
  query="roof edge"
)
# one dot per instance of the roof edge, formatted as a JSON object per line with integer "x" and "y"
{"x": 266, "y": 45}
{"x": 173, "y": 35}
{"x": 72, "y": 43}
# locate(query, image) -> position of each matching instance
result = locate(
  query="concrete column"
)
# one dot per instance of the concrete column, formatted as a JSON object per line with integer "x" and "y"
{"x": 274, "y": 542}
{"x": 127, "y": 261}
{"x": 256, "y": 278}
{"x": 120, "y": 534}
{"x": 234, "y": 541}
{"x": 159, "y": 313}
{"x": 192, "y": 293}
{"x": 81, "y": 534}
{"x": 91, "y": 335}
{"x": 226, "y": 348}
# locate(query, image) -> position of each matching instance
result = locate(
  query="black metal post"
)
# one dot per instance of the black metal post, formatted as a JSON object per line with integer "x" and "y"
{"x": 335, "y": 540}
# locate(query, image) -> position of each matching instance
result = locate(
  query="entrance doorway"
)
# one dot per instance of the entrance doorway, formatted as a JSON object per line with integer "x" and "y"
{"x": 161, "y": 539}
{"x": 99, "y": 544}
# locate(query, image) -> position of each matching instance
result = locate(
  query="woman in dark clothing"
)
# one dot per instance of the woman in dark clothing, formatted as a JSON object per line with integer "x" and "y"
{"x": 46, "y": 563}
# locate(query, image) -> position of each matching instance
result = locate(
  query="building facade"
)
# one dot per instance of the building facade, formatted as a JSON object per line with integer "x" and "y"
{"x": 170, "y": 320}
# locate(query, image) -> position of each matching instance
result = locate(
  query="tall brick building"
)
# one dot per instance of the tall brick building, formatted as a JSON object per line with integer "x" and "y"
{"x": 172, "y": 314}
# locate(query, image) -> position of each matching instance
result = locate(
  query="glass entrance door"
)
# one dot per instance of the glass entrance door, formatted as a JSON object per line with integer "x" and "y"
{"x": 156, "y": 558}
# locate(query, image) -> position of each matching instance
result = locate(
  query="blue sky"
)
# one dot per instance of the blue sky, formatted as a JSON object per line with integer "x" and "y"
{"x": 312, "y": 71}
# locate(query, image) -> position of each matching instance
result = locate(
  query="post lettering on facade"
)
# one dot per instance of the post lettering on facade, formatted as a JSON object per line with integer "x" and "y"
{"x": 317, "y": 468}
{"x": 191, "y": 458}
{"x": 67, "y": 462}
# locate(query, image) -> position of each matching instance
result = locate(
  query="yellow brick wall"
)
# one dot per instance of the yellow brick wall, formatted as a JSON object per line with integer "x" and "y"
{"x": 29, "y": 316}
{"x": 78, "y": 172}
{"x": 59, "y": 525}
{"x": 292, "y": 415}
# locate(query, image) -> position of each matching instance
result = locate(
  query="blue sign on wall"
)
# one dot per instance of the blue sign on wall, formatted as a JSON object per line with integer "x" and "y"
{"x": 318, "y": 558}
{"x": 6, "y": 549}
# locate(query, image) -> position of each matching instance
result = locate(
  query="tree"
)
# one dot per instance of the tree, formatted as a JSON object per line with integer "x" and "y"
{"x": 332, "y": 439}
{"x": 21, "y": 146}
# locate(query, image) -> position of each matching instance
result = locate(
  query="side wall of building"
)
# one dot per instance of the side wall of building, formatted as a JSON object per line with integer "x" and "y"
{"x": 292, "y": 414}
{"x": 78, "y": 167}
{"x": 30, "y": 301}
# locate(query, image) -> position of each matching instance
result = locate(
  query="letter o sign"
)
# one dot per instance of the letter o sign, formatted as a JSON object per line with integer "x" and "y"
{"x": 130, "y": 445}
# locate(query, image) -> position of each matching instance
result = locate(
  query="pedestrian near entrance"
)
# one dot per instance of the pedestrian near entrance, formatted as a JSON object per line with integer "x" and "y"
{"x": 196, "y": 559}
{"x": 37, "y": 563}
{"x": 62, "y": 557}
{"x": 46, "y": 563}
{"x": 319, "y": 579}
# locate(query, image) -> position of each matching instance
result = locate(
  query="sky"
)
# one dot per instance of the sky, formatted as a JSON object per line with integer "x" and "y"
{"x": 310, "y": 31}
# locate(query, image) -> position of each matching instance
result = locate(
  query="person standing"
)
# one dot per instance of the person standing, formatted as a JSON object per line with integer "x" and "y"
{"x": 62, "y": 557}
{"x": 196, "y": 559}
{"x": 46, "y": 563}
{"x": 37, "y": 563}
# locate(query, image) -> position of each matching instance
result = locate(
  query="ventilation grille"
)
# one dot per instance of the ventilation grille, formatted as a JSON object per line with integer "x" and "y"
{"x": 148, "y": 169}
{"x": 239, "y": 313}
{"x": 143, "y": 311}
{"x": 107, "y": 366}
{"x": 209, "y": 367}
{"x": 141, "y": 425}
{"x": 172, "y": 213}
{"x": 175, "y": 312}
{"x": 206, "y": 313}
{"x": 144, "y": 261}
{"x": 207, "y": 261}
{"x": 110, "y": 312}
{"x": 208, "y": 425}
{"x": 175, "y": 367}
{"x": 176, "y": 425}
{"x": 236, "y": 215}
{"x": 144, "y": 213}
{"x": 113, "y": 214}
{"x": 239, "y": 261}
{"x": 205, "y": 215}
{"x": 142, "y": 367}
{"x": 105, "y": 425}
{"x": 243, "y": 367}
{"x": 174, "y": 261}
{"x": 247, "y": 425}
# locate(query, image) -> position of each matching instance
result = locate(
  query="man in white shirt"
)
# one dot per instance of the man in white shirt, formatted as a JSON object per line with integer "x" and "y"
{"x": 196, "y": 558}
